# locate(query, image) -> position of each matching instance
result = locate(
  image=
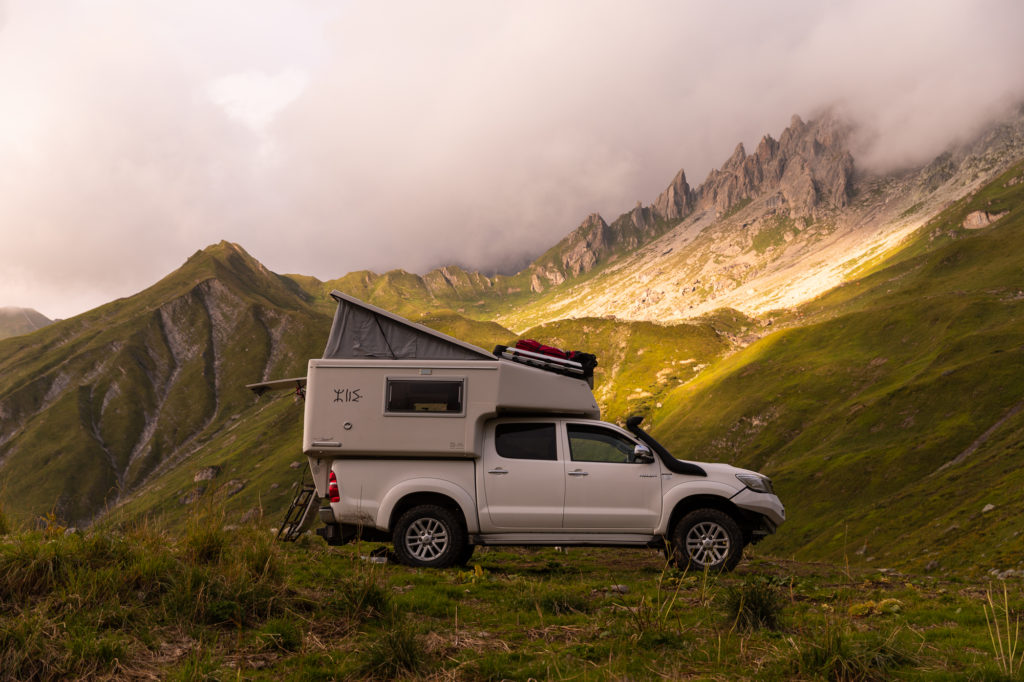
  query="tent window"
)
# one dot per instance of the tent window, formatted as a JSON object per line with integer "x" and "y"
{"x": 407, "y": 396}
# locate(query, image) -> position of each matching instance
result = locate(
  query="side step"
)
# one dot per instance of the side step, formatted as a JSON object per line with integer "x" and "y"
{"x": 299, "y": 514}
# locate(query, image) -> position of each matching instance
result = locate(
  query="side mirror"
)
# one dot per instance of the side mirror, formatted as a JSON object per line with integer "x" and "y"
{"x": 642, "y": 454}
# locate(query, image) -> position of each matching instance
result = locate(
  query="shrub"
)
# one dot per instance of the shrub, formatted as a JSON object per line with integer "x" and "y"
{"x": 366, "y": 595}
{"x": 841, "y": 658}
{"x": 395, "y": 653}
{"x": 204, "y": 542}
{"x": 282, "y": 634}
{"x": 753, "y": 604}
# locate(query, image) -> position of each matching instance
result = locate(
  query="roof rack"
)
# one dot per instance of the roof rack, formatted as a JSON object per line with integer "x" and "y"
{"x": 545, "y": 362}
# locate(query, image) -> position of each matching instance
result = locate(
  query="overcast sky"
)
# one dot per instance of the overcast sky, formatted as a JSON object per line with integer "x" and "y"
{"x": 326, "y": 137}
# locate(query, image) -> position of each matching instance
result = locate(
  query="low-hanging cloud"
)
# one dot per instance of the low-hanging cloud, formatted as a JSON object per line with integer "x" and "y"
{"x": 328, "y": 138}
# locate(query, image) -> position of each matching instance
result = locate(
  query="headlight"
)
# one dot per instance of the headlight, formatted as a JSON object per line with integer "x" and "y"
{"x": 756, "y": 482}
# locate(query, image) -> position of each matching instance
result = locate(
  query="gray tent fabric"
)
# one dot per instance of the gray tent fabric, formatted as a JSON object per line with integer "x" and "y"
{"x": 362, "y": 331}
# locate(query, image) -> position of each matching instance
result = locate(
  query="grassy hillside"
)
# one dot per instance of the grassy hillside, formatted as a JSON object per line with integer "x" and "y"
{"x": 211, "y": 603}
{"x": 639, "y": 362}
{"x": 891, "y": 410}
{"x": 95, "y": 405}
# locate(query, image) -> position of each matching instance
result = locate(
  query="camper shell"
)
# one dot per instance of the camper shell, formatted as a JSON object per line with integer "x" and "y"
{"x": 388, "y": 387}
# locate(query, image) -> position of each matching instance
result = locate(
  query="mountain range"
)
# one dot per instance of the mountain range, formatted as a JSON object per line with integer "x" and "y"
{"x": 857, "y": 336}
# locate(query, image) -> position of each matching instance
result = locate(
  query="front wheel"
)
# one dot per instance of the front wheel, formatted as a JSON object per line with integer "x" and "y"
{"x": 429, "y": 536}
{"x": 707, "y": 539}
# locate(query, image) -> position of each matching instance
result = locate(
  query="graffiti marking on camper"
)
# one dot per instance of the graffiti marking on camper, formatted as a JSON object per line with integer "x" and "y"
{"x": 347, "y": 395}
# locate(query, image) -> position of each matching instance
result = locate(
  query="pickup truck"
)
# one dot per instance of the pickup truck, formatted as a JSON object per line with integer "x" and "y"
{"x": 552, "y": 481}
{"x": 439, "y": 446}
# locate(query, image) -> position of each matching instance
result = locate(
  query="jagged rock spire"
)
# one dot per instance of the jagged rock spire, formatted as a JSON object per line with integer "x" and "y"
{"x": 677, "y": 199}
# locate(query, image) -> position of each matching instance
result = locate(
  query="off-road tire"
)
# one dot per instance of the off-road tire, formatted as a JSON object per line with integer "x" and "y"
{"x": 707, "y": 539}
{"x": 429, "y": 536}
{"x": 466, "y": 555}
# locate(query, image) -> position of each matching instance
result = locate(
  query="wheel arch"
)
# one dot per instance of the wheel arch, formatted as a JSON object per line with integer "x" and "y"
{"x": 420, "y": 497}
{"x": 708, "y": 501}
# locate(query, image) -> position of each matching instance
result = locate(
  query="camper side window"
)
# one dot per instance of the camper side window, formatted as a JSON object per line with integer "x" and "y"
{"x": 411, "y": 395}
{"x": 526, "y": 441}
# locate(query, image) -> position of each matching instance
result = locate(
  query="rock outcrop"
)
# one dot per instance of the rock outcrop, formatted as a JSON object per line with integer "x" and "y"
{"x": 677, "y": 200}
{"x": 586, "y": 244}
{"x": 979, "y": 219}
{"x": 810, "y": 167}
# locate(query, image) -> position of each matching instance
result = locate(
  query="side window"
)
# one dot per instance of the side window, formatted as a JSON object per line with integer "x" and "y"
{"x": 597, "y": 444}
{"x": 405, "y": 396}
{"x": 526, "y": 441}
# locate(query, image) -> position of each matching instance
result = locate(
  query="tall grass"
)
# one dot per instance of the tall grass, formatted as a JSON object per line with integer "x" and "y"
{"x": 841, "y": 656}
{"x": 755, "y": 603}
{"x": 79, "y": 604}
{"x": 1004, "y": 636}
{"x": 223, "y": 603}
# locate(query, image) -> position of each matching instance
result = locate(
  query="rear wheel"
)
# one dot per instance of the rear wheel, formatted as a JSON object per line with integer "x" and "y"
{"x": 467, "y": 554}
{"x": 707, "y": 539}
{"x": 429, "y": 536}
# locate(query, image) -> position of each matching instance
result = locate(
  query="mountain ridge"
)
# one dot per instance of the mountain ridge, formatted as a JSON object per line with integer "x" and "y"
{"x": 119, "y": 390}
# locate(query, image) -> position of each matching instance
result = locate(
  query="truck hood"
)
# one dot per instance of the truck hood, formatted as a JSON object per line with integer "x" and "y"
{"x": 726, "y": 473}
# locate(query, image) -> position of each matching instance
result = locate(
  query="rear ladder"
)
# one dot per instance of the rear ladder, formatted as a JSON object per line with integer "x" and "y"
{"x": 299, "y": 513}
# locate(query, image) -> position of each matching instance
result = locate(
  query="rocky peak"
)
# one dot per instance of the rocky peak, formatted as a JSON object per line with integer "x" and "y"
{"x": 677, "y": 199}
{"x": 810, "y": 167}
{"x": 735, "y": 162}
{"x": 586, "y": 244}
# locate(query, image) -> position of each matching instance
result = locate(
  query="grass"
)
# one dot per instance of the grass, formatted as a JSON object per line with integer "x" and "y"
{"x": 1004, "y": 633}
{"x": 754, "y": 603}
{"x": 221, "y": 602}
{"x": 774, "y": 234}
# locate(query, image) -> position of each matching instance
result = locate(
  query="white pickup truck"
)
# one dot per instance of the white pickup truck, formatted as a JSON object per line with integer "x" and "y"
{"x": 438, "y": 446}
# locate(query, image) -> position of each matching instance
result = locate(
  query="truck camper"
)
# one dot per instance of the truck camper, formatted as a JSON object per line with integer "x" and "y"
{"x": 438, "y": 446}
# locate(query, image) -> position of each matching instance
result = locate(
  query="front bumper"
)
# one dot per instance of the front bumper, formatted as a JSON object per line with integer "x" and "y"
{"x": 767, "y": 505}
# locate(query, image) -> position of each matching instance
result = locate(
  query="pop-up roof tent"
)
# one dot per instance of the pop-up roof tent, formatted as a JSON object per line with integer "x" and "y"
{"x": 361, "y": 330}
{"x": 364, "y": 331}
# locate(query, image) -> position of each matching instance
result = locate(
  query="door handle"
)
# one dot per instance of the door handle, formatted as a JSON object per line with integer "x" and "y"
{"x": 578, "y": 472}
{"x": 499, "y": 470}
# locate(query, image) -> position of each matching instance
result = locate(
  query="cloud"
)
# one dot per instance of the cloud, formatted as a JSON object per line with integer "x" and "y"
{"x": 330, "y": 137}
{"x": 256, "y": 98}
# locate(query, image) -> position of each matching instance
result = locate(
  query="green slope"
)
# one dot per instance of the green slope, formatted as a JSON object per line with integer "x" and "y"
{"x": 638, "y": 362}
{"x": 891, "y": 412}
{"x": 93, "y": 406}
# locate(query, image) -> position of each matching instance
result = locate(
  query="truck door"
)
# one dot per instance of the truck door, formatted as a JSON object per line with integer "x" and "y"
{"x": 604, "y": 488}
{"x": 523, "y": 479}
